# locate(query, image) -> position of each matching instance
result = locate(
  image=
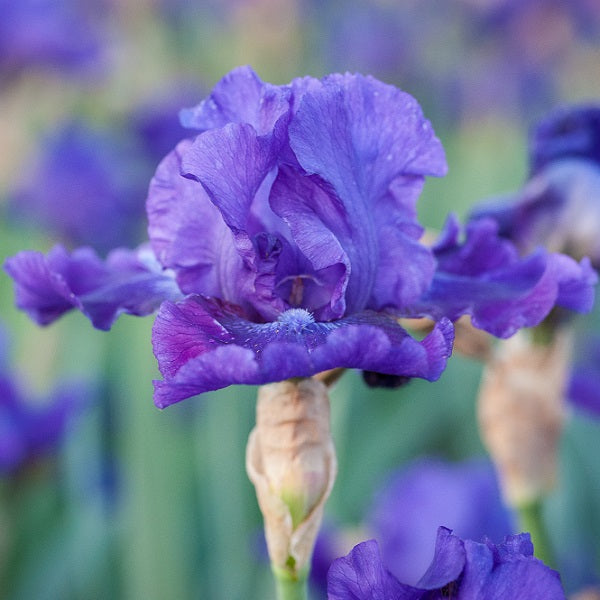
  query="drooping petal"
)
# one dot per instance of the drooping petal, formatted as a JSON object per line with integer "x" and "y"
{"x": 361, "y": 576}
{"x": 240, "y": 97}
{"x": 360, "y": 135}
{"x": 202, "y": 345}
{"x": 49, "y": 285}
{"x": 484, "y": 278}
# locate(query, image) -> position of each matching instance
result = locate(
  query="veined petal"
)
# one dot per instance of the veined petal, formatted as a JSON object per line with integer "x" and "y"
{"x": 198, "y": 342}
{"x": 127, "y": 282}
{"x": 188, "y": 233}
{"x": 361, "y": 576}
{"x": 360, "y": 135}
{"x": 240, "y": 97}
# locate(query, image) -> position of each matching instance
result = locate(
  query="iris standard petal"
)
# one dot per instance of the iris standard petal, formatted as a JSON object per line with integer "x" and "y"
{"x": 240, "y": 97}
{"x": 359, "y": 135}
{"x": 188, "y": 233}
{"x": 197, "y": 341}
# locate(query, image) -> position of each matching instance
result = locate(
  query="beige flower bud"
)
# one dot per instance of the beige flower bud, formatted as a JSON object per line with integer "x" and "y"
{"x": 521, "y": 413}
{"x": 587, "y": 594}
{"x": 291, "y": 461}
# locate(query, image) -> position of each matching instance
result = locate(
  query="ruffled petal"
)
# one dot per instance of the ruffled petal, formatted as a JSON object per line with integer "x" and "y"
{"x": 484, "y": 278}
{"x": 508, "y": 571}
{"x": 240, "y": 97}
{"x": 199, "y": 342}
{"x": 361, "y": 576}
{"x": 127, "y": 282}
{"x": 360, "y": 135}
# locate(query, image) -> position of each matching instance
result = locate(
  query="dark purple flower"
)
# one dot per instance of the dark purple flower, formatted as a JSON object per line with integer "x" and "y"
{"x": 559, "y": 206}
{"x": 461, "y": 569}
{"x": 66, "y": 35}
{"x": 464, "y": 497}
{"x": 87, "y": 185}
{"x": 289, "y": 224}
{"x": 584, "y": 385}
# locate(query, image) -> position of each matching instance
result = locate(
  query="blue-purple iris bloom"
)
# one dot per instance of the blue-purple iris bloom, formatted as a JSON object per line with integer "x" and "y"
{"x": 286, "y": 243}
{"x": 464, "y": 497}
{"x": 559, "y": 205}
{"x": 460, "y": 569}
{"x": 66, "y": 35}
{"x": 86, "y": 185}
{"x": 32, "y": 428}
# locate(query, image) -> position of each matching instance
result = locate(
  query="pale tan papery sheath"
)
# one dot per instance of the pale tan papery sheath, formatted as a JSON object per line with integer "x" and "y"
{"x": 290, "y": 450}
{"x": 521, "y": 413}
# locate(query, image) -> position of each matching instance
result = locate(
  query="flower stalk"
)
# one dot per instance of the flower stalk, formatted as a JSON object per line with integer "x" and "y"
{"x": 521, "y": 416}
{"x": 290, "y": 459}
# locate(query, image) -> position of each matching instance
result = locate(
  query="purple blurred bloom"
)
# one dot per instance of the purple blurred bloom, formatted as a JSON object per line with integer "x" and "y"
{"x": 559, "y": 207}
{"x": 66, "y": 35}
{"x": 464, "y": 497}
{"x": 88, "y": 185}
{"x": 127, "y": 282}
{"x": 584, "y": 385}
{"x": 289, "y": 224}
{"x": 460, "y": 569}
{"x": 32, "y": 428}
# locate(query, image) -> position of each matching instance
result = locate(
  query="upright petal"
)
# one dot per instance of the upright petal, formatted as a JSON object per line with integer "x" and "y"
{"x": 240, "y": 97}
{"x": 188, "y": 233}
{"x": 360, "y": 135}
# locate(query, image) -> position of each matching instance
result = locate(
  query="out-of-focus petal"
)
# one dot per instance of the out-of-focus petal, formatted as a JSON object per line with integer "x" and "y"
{"x": 502, "y": 293}
{"x": 49, "y": 285}
{"x": 569, "y": 132}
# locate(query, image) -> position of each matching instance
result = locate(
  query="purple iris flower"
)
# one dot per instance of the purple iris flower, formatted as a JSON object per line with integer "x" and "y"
{"x": 66, "y": 35}
{"x": 460, "y": 569}
{"x": 559, "y": 206}
{"x": 87, "y": 185}
{"x": 32, "y": 428}
{"x": 414, "y": 501}
{"x": 287, "y": 244}
{"x": 584, "y": 385}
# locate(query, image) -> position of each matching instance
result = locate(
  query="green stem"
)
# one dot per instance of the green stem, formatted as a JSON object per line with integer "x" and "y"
{"x": 531, "y": 520}
{"x": 290, "y": 585}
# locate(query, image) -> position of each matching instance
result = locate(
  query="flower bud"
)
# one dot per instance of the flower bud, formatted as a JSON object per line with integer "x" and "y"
{"x": 291, "y": 461}
{"x": 521, "y": 413}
